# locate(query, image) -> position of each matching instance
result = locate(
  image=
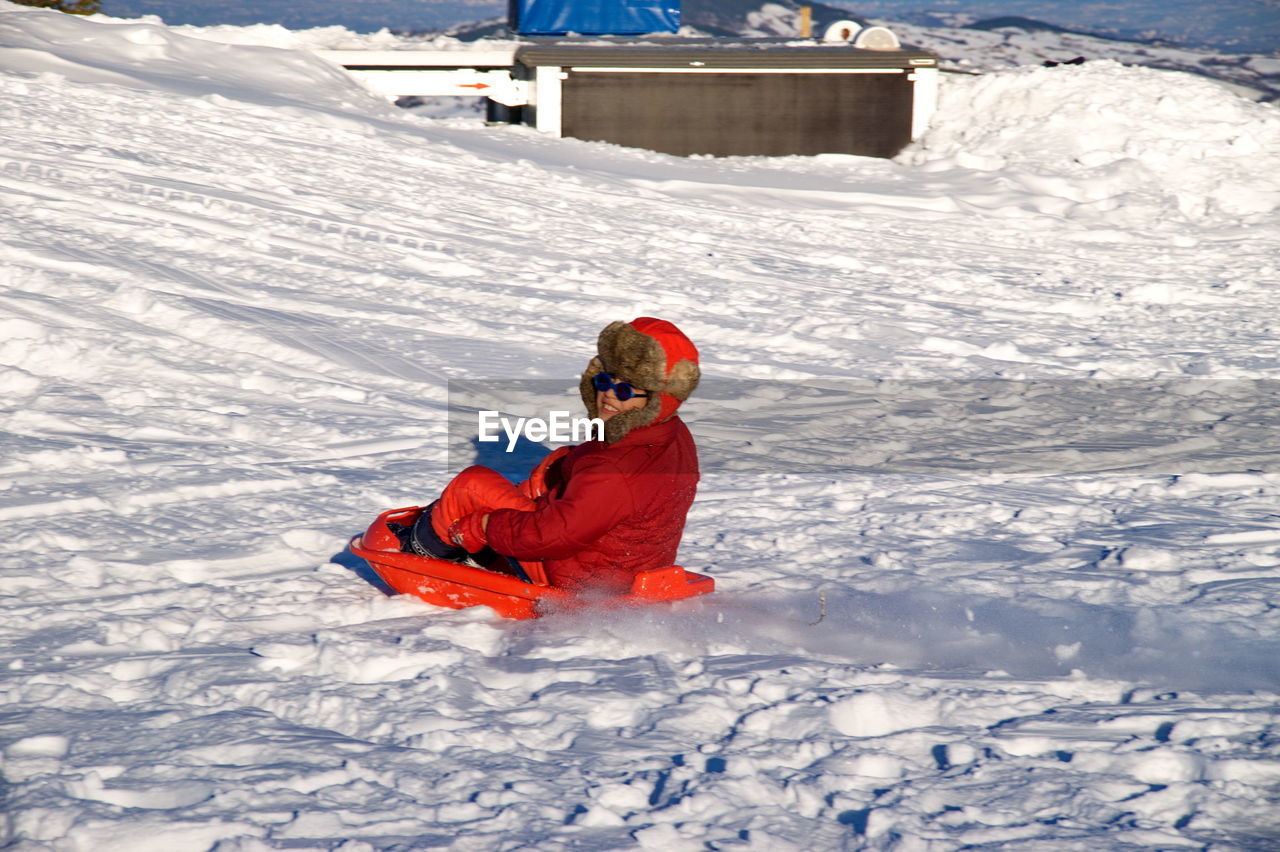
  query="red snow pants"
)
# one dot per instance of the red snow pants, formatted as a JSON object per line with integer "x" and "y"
{"x": 483, "y": 489}
{"x": 476, "y": 489}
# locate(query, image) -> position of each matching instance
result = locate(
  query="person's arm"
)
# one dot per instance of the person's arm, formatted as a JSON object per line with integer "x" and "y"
{"x": 595, "y": 500}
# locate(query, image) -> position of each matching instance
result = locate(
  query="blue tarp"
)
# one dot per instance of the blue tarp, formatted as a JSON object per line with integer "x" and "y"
{"x": 594, "y": 17}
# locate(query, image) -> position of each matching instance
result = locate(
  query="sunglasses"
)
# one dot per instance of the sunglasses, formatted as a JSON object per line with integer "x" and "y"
{"x": 604, "y": 383}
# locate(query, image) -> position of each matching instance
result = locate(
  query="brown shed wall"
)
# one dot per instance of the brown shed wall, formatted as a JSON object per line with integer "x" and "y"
{"x": 741, "y": 113}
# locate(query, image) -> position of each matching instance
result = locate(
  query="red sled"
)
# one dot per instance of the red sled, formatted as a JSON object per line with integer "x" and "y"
{"x": 454, "y": 585}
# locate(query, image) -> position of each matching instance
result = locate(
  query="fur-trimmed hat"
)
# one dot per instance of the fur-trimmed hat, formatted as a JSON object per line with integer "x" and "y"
{"x": 650, "y": 354}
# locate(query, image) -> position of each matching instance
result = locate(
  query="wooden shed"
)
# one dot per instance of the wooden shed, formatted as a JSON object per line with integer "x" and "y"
{"x": 722, "y": 99}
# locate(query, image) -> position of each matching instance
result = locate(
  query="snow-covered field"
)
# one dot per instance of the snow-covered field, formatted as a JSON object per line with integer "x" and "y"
{"x": 991, "y": 492}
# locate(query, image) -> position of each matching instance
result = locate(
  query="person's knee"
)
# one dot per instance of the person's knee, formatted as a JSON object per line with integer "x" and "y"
{"x": 475, "y": 489}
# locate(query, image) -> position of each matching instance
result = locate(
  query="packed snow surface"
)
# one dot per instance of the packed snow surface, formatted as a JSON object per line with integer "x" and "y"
{"x": 990, "y": 485}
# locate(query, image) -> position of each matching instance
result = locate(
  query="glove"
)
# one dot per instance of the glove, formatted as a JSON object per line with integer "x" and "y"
{"x": 468, "y": 532}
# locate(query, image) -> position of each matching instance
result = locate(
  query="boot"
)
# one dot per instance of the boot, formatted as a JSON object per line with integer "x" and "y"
{"x": 422, "y": 540}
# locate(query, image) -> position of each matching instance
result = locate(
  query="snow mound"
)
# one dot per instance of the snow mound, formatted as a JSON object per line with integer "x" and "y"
{"x": 1130, "y": 146}
{"x": 146, "y": 55}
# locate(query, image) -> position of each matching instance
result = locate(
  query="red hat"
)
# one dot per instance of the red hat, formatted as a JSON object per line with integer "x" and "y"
{"x": 650, "y": 354}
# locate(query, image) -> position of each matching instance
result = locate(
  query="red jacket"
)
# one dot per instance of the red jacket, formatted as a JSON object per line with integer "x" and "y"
{"x": 610, "y": 510}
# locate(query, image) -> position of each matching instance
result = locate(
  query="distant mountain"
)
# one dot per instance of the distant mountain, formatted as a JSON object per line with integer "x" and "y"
{"x": 965, "y": 44}
{"x": 363, "y": 16}
{"x": 1234, "y": 26}
{"x": 1017, "y": 22}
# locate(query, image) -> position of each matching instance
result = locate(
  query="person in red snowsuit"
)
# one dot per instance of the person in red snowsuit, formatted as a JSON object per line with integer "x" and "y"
{"x": 596, "y": 514}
